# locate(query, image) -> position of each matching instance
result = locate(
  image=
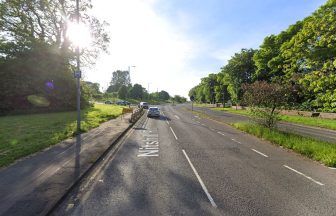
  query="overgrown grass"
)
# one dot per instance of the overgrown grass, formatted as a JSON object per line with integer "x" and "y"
{"x": 318, "y": 150}
{"x": 22, "y": 135}
{"x": 310, "y": 121}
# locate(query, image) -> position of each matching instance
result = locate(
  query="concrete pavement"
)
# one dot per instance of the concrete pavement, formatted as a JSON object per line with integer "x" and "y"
{"x": 34, "y": 184}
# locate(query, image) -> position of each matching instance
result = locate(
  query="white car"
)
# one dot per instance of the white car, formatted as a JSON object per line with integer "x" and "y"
{"x": 153, "y": 112}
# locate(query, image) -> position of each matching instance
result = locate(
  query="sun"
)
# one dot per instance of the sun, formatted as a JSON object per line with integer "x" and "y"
{"x": 79, "y": 34}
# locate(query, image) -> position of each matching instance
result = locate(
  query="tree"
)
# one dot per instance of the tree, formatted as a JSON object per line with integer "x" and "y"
{"x": 163, "y": 95}
{"x": 136, "y": 92}
{"x": 179, "y": 99}
{"x": 263, "y": 99}
{"x": 240, "y": 69}
{"x": 122, "y": 93}
{"x": 26, "y": 23}
{"x": 119, "y": 78}
{"x": 36, "y": 55}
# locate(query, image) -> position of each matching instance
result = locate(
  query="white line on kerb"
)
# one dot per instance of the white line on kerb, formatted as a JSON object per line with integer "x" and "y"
{"x": 300, "y": 173}
{"x": 200, "y": 181}
{"x": 177, "y": 117}
{"x": 259, "y": 152}
{"x": 173, "y": 133}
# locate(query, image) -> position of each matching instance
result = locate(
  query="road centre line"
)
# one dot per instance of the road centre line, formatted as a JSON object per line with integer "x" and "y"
{"x": 236, "y": 141}
{"x": 200, "y": 180}
{"x": 173, "y": 132}
{"x": 259, "y": 152}
{"x": 177, "y": 117}
{"x": 300, "y": 173}
{"x": 220, "y": 133}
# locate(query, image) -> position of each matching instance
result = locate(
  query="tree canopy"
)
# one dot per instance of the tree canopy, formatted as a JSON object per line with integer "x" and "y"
{"x": 302, "y": 57}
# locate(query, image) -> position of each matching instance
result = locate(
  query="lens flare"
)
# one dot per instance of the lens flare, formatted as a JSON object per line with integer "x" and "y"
{"x": 79, "y": 34}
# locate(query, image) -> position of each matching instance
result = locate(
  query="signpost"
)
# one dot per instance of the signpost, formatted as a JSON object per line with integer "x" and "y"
{"x": 192, "y": 98}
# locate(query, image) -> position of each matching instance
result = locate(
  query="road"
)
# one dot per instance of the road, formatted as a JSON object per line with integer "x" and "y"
{"x": 303, "y": 130}
{"x": 182, "y": 164}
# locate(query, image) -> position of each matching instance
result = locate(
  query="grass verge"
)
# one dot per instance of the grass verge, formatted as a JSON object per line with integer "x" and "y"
{"x": 309, "y": 121}
{"x": 22, "y": 135}
{"x": 321, "y": 151}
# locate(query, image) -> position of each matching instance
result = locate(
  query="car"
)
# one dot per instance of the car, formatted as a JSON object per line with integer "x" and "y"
{"x": 123, "y": 103}
{"x": 143, "y": 105}
{"x": 108, "y": 102}
{"x": 153, "y": 112}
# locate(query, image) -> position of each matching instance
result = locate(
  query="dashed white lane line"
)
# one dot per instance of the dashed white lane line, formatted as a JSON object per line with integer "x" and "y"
{"x": 236, "y": 141}
{"x": 200, "y": 180}
{"x": 203, "y": 124}
{"x": 220, "y": 133}
{"x": 177, "y": 117}
{"x": 300, "y": 173}
{"x": 173, "y": 132}
{"x": 259, "y": 152}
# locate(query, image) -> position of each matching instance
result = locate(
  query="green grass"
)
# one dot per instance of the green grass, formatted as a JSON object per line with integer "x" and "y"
{"x": 321, "y": 151}
{"x": 310, "y": 121}
{"x": 22, "y": 135}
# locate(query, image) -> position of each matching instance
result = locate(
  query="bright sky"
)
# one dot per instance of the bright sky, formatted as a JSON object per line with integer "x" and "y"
{"x": 174, "y": 43}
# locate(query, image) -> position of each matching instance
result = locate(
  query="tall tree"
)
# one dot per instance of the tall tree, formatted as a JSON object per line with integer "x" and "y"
{"x": 137, "y": 92}
{"x": 119, "y": 78}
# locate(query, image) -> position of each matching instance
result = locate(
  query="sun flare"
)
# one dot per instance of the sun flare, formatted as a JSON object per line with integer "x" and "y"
{"x": 79, "y": 34}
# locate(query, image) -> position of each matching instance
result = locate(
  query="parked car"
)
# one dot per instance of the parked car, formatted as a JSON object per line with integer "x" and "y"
{"x": 153, "y": 112}
{"x": 143, "y": 105}
{"x": 123, "y": 103}
{"x": 108, "y": 102}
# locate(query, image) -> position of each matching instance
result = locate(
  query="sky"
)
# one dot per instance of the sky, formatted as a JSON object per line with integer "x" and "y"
{"x": 174, "y": 43}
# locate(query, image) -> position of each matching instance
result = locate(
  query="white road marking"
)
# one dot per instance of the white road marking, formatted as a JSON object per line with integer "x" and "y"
{"x": 200, "y": 181}
{"x": 173, "y": 133}
{"x": 300, "y": 173}
{"x": 236, "y": 141}
{"x": 333, "y": 168}
{"x": 177, "y": 117}
{"x": 167, "y": 122}
{"x": 220, "y": 133}
{"x": 259, "y": 152}
{"x": 203, "y": 124}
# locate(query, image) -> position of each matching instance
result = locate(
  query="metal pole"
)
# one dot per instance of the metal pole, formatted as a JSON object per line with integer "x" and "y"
{"x": 78, "y": 77}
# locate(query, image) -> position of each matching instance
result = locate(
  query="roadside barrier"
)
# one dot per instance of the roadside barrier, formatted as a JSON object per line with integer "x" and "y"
{"x": 136, "y": 114}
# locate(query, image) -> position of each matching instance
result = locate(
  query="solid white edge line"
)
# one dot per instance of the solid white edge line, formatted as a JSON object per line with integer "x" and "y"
{"x": 259, "y": 152}
{"x": 200, "y": 180}
{"x": 300, "y": 173}
{"x": 332, "y": 168}
{"x": 173, "y": 133}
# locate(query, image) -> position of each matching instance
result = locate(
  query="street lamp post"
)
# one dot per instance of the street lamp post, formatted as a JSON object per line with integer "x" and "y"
{"x": 78, "y": 76}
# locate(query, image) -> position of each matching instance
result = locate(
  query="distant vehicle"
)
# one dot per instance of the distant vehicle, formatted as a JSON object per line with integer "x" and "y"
{"x": 143, "y": 105}
{"x": 123, "y": 103}
{"x": 153, "y": 112}
{"x": 108, "y": 102}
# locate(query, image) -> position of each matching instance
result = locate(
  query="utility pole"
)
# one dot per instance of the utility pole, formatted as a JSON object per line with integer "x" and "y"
{"x": 78, "y": 75}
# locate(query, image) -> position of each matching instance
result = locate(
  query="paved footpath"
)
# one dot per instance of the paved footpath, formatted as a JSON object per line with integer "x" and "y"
{"x": 33, "y": 185}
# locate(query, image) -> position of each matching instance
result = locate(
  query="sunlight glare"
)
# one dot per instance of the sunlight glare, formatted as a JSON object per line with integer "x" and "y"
{"x": 79, "y": 34}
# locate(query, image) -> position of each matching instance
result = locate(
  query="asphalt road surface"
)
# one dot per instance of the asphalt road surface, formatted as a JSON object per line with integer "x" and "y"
{"x": 182, "y": 164}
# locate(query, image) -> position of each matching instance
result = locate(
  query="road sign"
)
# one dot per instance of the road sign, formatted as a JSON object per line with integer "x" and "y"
{"x": 78, "y": 74}
{"x": 192, "y": 98}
